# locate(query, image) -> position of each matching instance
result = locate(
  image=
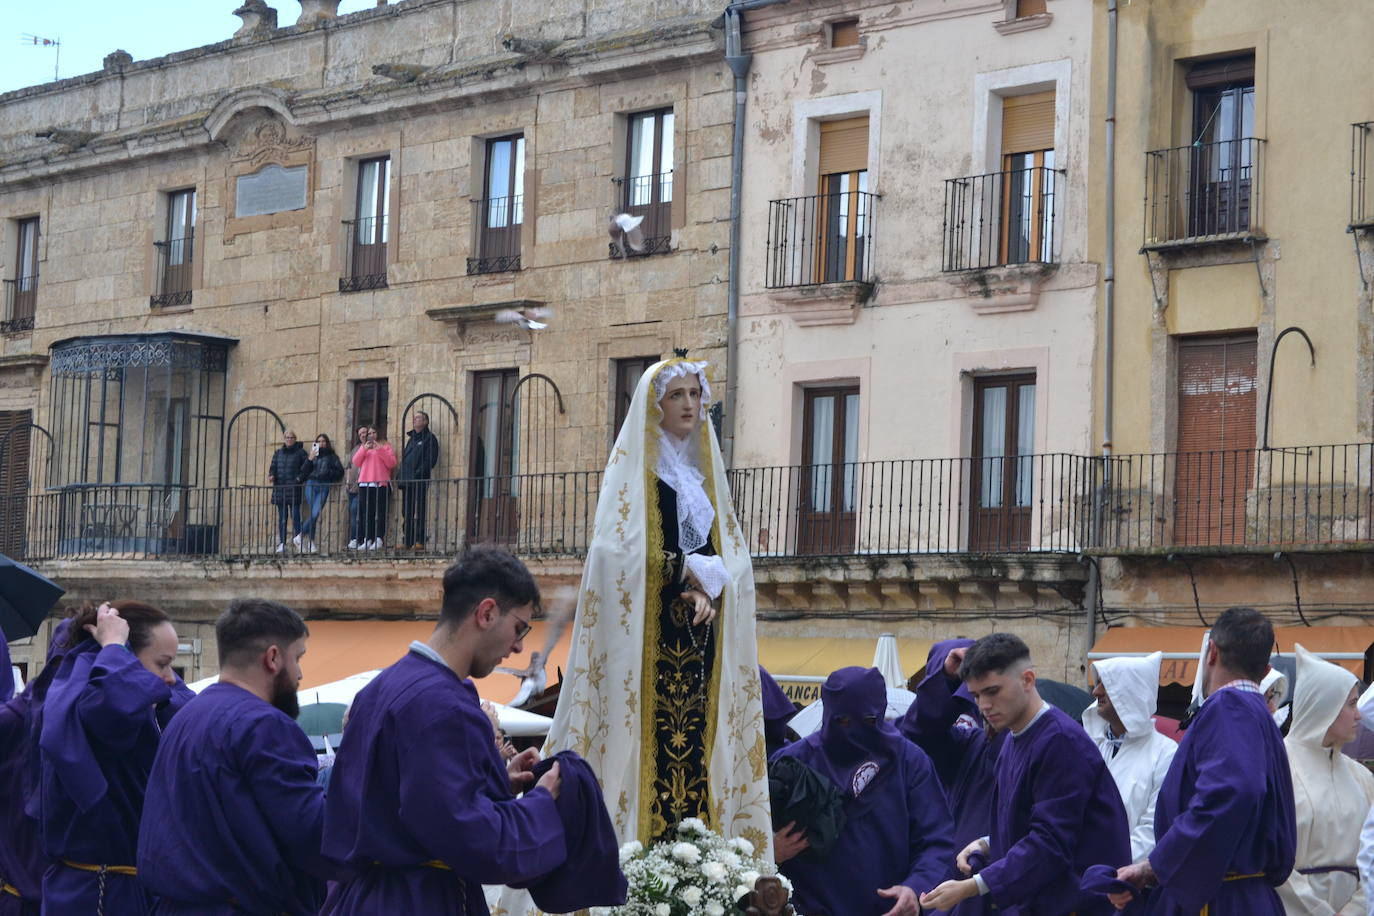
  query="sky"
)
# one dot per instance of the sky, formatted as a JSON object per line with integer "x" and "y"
{"x": 90, "y": 29}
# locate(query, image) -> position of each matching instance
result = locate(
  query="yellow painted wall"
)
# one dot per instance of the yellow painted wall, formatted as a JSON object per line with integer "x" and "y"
{"x": 1208, "y": 300}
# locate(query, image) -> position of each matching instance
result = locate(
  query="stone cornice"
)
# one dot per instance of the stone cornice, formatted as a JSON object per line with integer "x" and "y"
{"x": 22, "y": 361}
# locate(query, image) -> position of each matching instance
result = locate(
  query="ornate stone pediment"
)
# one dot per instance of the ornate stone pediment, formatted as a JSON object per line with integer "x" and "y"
{"x": 263, "y": 139}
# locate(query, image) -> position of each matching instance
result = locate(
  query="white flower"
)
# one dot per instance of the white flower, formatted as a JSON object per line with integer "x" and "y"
{"x": 742, "y": 890}
{"x": 715, "y": 872}
{"x": 749, "y": 878}
{"x": 691, "y": 895}
{"x": 630, "y": 850}
{"x": 715, "y": 909}
{"x": 663, "y": 909}
{"x": 686, "y": 853}
{"x": 692, "y": 825}
{"x": 743, "y": 846}
{"x": 730, "y": 859}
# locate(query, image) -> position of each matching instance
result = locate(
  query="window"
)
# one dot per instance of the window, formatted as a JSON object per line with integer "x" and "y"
{"x": 830, "y": 450}
{"x": 369, "y": 231}
{"x": 501, "y": 210}
{"x": 176, "y": 251}
{"x": 647, "y": 190}
{"x": 492, "y": 506}
{"x": 1223, "y": 148}
{"x": 844, "y": 204}
{"x": 370, "y": 399}
{"x": 1216, "y": 438}
{"x": 15, "y": 433}
{"x": 1027, "y": 200}
{"x": 1029, "y": 8}
{"x": 844, "y": 34}
{"x": 21, "y": 292}
{"x": 1003, "y": 467}
{"x": 627, "y": 375}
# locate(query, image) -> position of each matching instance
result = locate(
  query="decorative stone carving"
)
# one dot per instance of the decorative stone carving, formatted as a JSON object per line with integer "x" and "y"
{"x": 116, "y": 61}
{"x": 268, "y": 140}
{"x": 314, "y": 12}
{"x": 259, "y": 19}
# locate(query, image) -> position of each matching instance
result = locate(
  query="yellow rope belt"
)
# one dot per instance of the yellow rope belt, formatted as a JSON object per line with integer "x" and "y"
{"x": 432, "y": 863}
{"x": 1233, "y": 876}
{"x": 9, "y": 889}
{"x": 108, "y": 869}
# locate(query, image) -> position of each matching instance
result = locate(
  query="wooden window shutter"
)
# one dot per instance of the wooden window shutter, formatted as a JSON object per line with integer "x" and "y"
{"x": 844, "y": 34}
{"x": 844, "y": 146}
{"x": 1227, "y": 71}
{"x": 1028, "y": 123}
{"x": 1216, "y": 394}
{"x": 1029, "y": 7}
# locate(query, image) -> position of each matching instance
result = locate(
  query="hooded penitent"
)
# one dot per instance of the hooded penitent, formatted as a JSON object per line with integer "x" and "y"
{"x": 1327, "y": 788}
{"x": 1139, "y": 758}
{"x": 856, "y": 742}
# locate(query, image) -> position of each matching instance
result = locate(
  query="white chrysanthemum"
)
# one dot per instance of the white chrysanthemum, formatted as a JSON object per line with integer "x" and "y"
{"x": 691, "y": 895}
{"x": 749, "y": 878}
{"x": 686, "y": 853}
{"x": 663, "y": 909}
{"x": 715, "y": 909}
{"x": 715, "y": 872}
{"x": 743, "y": 846}
{"x": 693, "y": 825}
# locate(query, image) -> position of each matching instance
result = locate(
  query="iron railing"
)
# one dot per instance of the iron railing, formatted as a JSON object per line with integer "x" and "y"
{"x": 496, "y": 223}
{"x": 365, "y": 243}
{"x": 21, "y": 296}
{"x": 1204, "y": 192}
{"x": 1361, "y": 160}
{"x": 1001, "y": 218}
{"x": 1313, "y": 497}
{"x": 649, "y": 196}
{"x": 825, "y": 238}
{"x": 173, "y": 272}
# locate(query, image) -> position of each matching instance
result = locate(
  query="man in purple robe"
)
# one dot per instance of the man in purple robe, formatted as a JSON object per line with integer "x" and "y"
{"x": 233, "y": 816}
{"x": 1225, "y": 826}
{"x": 22, "y": 861}
{"x": 421, "y": 809}
{"x": 898, "y": 832}
{"x": 1056, "y": 809}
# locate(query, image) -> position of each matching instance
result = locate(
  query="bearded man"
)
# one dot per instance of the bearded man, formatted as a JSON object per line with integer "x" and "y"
{"x": 233, "y": 818}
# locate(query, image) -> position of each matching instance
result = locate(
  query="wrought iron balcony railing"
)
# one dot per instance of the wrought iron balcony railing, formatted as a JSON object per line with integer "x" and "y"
{"x": 1205, "y": 192}
{"x": 1361, "y": 165}
{"x": 173, "y": 272}
{"x": 21, "y": 296}
{"x": 825, "y": 238}
{"x": 496, "y": 223}
{"x": 365, "y": 242}
{"x": 1001, "y": 218}
{"x": 649, "y": 196}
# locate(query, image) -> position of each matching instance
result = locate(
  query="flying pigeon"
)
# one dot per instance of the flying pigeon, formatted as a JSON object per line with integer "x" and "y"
{"x": 625, "y": 232}
{"x": 533, "y": 678}
{"x": 526, "y": 317}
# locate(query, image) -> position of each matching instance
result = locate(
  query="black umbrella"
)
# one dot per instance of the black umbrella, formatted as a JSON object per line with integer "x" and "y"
{"x": 1072, "y": 700}
{"x": 25, "y": 599}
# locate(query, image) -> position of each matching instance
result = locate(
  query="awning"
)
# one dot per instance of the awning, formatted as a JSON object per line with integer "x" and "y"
{"x": 340, "y": 648}
{"x": 1348, "y": 647}
{"x": 801, "y": 664}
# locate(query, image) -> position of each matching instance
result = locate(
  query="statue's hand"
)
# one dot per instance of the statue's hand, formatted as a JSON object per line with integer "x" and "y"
{"x": 705, "y": 612}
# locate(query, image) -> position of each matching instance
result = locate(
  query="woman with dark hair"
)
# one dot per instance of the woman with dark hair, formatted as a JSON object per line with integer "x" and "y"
{"x": 97, "y": 736}
{"x": 323, "y": 470}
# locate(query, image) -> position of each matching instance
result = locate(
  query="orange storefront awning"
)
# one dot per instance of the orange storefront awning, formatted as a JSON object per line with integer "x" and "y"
{"x": 339, "y": 648}
{"x": 1348, "y": 647}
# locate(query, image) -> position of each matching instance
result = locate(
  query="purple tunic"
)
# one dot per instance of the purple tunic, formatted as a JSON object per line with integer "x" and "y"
{"x": 898, "y": 829}
{"x": 1056, "y": 812}
{"x": 97, "y": 739}
{"x": 233, "y": 812}
{"x": 418, "y": 780}
{"x": 1225, "y": 810}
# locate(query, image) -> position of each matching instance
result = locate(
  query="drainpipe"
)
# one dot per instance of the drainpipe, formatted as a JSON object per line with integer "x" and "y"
{"x": 739, "y": 61}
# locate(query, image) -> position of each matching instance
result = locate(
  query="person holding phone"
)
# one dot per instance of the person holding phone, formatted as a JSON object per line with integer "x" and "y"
{"x": 375, "y": 459}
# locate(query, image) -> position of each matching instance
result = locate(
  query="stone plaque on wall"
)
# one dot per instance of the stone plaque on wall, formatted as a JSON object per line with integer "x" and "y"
{"x": 271, "y": 189}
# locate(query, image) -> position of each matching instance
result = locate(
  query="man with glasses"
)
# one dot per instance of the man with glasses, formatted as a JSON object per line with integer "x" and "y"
{"x": 421, "y": 808}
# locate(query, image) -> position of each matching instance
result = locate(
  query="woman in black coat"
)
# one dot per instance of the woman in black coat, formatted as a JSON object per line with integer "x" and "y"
{"x": 323, "y": 470}
{"x": 285, "y": 474}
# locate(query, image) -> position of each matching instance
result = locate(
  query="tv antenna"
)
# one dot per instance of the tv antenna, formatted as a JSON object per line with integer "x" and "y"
{"x": 41, "y": 42}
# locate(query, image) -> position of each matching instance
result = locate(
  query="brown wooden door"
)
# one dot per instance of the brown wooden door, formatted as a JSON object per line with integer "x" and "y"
{"x": 1002, "y": 478}
{"x": 492, "y": 504}
{"x": 830, "y": 475}
{"x": 1221, "y": 165}
{"x": 503, "y": 207}
{"x": 179, "y": 246}
{"x": 371, "y": 227}
{"x": 1215, "y": 467}
{"x": 648, "y": 188}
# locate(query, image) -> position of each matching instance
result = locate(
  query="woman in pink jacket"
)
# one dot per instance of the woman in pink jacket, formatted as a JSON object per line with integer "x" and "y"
{"x": 374, "y": 460}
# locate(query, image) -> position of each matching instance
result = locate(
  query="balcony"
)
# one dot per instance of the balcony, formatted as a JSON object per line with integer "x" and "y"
{"x": 1361, "y": 161}
{"x": 364, "y": 243}
{"x": 649, "y": 196}
{"x": 21, "y": 295}
{"x": 1001, "y": 218}
{"x": 496, "y": 223}
{"x": 826, "y": 238}
{"x": 172, "y": 271}
{"x": 1204, "y": 193}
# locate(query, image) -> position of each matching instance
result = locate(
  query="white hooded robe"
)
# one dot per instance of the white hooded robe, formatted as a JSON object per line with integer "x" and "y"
{"x": 1330, "y": 792}
{"x": 1139, "y": 764}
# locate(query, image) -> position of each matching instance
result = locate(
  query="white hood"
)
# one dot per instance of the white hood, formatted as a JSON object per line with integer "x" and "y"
{"x": 1132, "y": 684}
{"x": 1321, "y": 690}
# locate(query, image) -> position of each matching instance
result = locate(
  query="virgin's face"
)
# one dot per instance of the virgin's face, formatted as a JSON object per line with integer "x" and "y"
{"x": 681, "y": 406}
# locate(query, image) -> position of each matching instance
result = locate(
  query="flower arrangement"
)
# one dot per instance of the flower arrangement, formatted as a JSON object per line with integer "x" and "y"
{"x": 696, "y": 872}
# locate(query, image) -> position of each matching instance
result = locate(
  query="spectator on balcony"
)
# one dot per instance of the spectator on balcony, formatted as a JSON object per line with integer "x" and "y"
{"x": 375, "y": 459}
{"x": 285, "y": 475}
{"x": 355, "y": 531}
{"x": 97, "y": 736}
{"x": 418, "y": 457}
{"x": 322, "y": 471}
